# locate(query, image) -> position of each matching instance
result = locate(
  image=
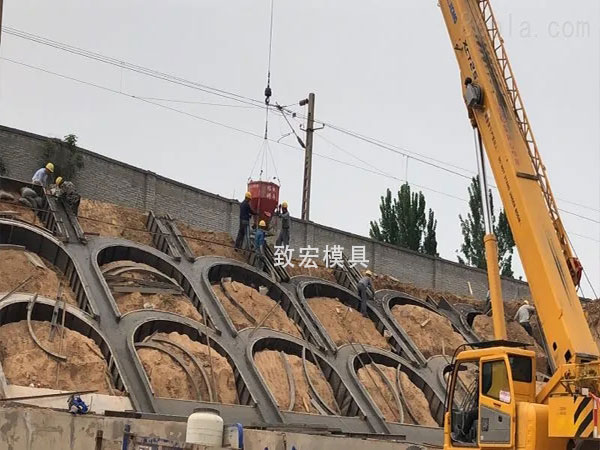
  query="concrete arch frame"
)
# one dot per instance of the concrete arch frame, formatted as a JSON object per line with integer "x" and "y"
{"x": 121, "y": 332}
{"x": 15, "y": 310}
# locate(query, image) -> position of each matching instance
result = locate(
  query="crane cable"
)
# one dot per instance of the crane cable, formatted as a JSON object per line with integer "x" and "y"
{"x": 268, "y": 91}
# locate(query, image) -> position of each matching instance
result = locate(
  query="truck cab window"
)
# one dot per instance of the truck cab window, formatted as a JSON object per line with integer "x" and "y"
{"x": 494, "y": 381}
{"x": 465, "y": 403}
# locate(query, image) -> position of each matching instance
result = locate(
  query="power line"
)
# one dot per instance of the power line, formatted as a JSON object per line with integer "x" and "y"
{"x": 422, "y": 158}
{"x": 133, "y": 67}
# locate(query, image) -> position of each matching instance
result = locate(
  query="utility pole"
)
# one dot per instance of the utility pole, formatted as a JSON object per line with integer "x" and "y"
{"x": 310, "y": 129}
{"x": 1, "y": 5}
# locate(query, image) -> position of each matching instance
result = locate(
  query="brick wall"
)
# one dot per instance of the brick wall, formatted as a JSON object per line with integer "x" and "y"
{"x": 116, "y": 182}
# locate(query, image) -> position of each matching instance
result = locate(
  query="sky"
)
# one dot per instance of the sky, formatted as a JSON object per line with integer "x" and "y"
{"x": 383, "y": 69}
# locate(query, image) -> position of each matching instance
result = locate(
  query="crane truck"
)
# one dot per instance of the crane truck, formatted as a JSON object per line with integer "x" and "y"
{"x": 491, "y": 395}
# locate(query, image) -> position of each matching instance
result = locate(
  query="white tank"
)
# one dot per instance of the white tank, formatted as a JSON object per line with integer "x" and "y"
{"x": 204, "y": 427}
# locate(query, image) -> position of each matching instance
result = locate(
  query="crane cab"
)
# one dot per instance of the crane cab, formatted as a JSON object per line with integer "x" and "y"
{"x": 485, "y": 387}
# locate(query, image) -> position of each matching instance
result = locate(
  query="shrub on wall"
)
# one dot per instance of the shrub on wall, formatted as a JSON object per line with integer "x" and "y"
{"x": 65, "y": 156}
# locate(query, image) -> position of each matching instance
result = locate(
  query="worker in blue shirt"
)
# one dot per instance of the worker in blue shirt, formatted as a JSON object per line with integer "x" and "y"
{"x": 246, "y": 211}
{"x": 41, "y": 176}
{"x": 259, "y": 245}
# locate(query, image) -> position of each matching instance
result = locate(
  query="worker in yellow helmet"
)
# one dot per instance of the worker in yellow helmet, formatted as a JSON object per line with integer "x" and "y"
{"x": 246, "y": 211}
{"x": 41, "y": 176}
{"x": 259, "y": 245}
{"x": 66, "y": 192}
{"x": 365, "y": 291}
{"x": 284, "y": 234}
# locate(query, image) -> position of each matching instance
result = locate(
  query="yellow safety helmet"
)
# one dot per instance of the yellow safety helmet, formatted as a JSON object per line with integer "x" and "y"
{"x": 284, "y": 205}
{"x": 248, "y": 195}
{"x": 262, "y": 223}
{"x": 59, "y": 181}
{"x": 368, "y": 273}
{"x": 50, "y": 167}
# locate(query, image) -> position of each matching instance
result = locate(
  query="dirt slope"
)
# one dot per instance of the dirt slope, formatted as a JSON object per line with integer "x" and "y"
{"x": 270, "y": 365}
{"x": 15, "y": 268}
{"x": 382, "y": 396}
{"x": 169, "y": 380}
{"x": 210, "y": 243}
{"x": 484, "y": 328}
{"x": 256, "y": 305}
{"x": 25, "y": 364}
{"x": 113, "y": 221}
{"x": 345, "y": 324}
{"x": 432, "y": 333}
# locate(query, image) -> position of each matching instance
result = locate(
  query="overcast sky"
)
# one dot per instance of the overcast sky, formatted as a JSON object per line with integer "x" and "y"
{"x": 381, "y": 68}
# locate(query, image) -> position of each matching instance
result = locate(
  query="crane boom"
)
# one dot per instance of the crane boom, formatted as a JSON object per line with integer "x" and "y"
{"x": 550, "y": 266}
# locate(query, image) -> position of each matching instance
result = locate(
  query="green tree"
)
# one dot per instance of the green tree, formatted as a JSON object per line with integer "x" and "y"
{"x": 430, "y": 240}
{"x": 473, "y": 231}
{"x": 403, "y": 222}
{"x": 65, "y": 155}
{"x": 387, "y": 228}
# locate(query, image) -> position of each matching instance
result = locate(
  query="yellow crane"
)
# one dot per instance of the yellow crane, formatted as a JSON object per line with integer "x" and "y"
{"x": 491, "y": 400}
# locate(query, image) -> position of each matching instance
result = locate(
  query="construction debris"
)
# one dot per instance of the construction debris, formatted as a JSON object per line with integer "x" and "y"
{"x": 138, "y": 286}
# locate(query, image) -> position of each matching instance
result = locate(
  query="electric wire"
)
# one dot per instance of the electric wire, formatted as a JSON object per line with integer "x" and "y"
{"x": 257, "y": 104}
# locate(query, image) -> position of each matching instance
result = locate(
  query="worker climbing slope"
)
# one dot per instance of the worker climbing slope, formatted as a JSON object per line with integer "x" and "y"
{"x": 523, "y": 316}
{"x": 365, "y": 291}
{"x": 284, "y": 233}
{"x": 66, "y": 192}
{"x": 259, "y": 245}
{"x": 246, "y": 211}
{"x": 41, "y": 176}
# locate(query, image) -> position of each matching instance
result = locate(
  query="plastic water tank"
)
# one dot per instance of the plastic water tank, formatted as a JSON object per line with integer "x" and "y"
{"x": 204, "y": 427}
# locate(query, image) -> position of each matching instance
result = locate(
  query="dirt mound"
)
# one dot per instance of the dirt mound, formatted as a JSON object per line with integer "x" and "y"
{"x": 379, "y": 390}
{"x": 318, "y": 272}
{"x": 386, "y": 400}
{"x": 270, "y": 365}
{"x": 169, "y": 380}
{"x": 415, "y": 398}
{"x": 484, "y": 328}
{"x": 210, "y": 243}
{"x": 15, "y": 267}
{"x": 25, "y": 364}
{"x": 252, "y": 303}
{"x": 111, "y": 220}
{"x": 132, "y": 301}
{"x": 345, "y": 324}
{"x": 432, "y": 333}
{"x": 388, "y": 282}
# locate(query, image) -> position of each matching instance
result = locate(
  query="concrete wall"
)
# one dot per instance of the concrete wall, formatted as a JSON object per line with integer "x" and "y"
{"x": 44, "y": 429}
{"x": 113, "y": 181}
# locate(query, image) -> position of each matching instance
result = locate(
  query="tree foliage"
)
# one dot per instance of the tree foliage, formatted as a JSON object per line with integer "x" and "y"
{"x": 473, "y": 231}
{"x": 403, "y": 222}
{"x": 65, "y": 156}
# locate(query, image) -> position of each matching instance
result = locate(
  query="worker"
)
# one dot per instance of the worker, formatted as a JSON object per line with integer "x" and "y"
{"x": 284, "y": 233}
{"x": 523, "y": 316}
{"x": 41, "y": 176}
{"x": 246, "y": 211}
{"x": 487, "y": 307}
{"x": 77, "y": 405}
{"x": 365, "y": 291}
{"x": 65, "y": 191}
{"x": 259, "y": 245}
